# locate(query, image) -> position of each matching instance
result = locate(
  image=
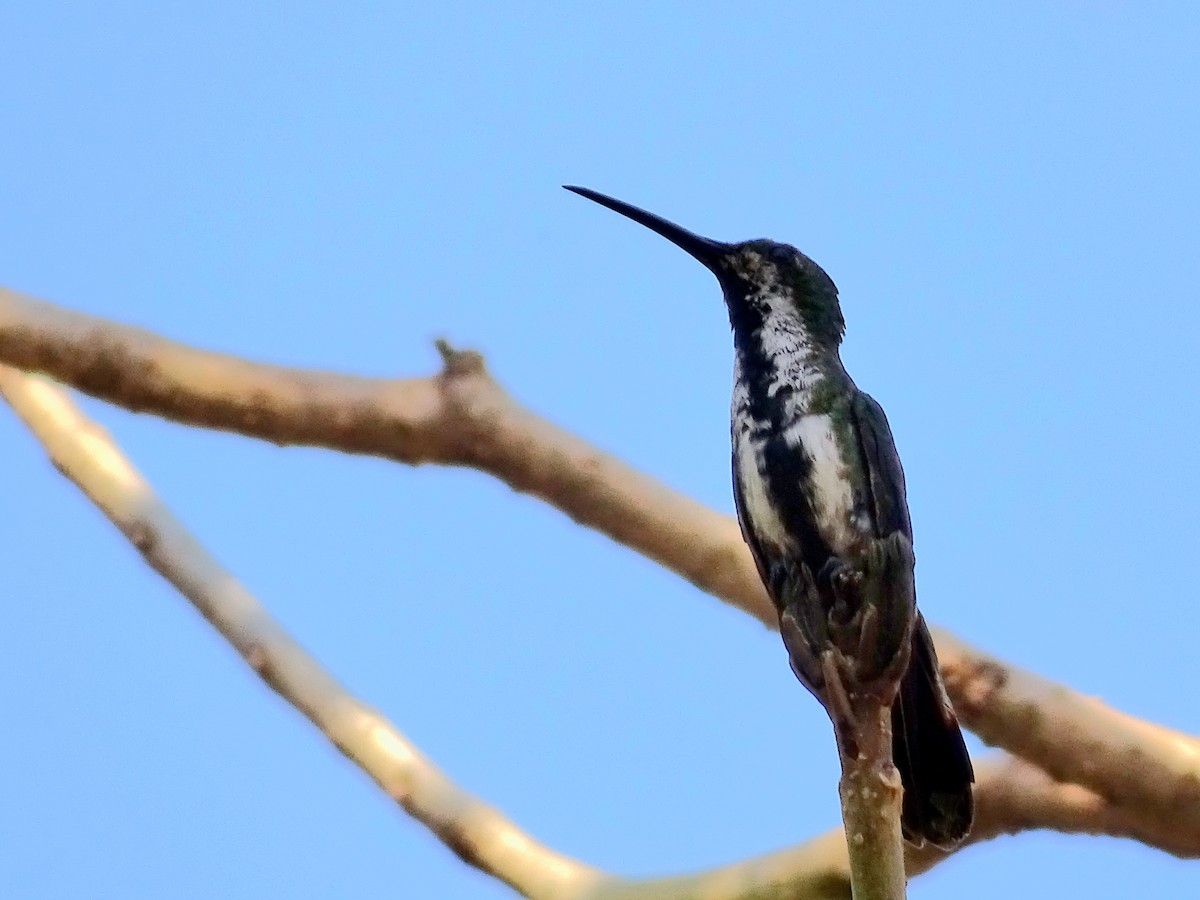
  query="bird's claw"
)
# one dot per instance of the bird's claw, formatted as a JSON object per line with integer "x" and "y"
{"x": 848, "y": 631}
{"x": 874, "y": 611}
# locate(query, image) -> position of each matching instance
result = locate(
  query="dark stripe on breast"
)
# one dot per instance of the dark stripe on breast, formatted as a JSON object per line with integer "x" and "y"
{"x": 787, "y": 471}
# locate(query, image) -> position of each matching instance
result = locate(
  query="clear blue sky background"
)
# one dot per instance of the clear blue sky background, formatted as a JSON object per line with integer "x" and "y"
{"x": 1007, "y": 198}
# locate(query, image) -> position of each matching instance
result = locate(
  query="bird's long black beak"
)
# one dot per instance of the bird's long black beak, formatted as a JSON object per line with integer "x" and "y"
{"x": 707, "y": 251}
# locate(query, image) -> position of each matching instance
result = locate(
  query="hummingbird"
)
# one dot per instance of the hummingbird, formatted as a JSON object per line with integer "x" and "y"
{"x": 816, "y": 481}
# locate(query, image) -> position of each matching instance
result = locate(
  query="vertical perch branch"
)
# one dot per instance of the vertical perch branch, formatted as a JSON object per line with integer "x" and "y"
{"x": 871, "y": 801}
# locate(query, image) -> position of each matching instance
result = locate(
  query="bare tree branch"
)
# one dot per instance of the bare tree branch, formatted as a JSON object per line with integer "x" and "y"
{"x": 1011, "y": 798}
{"x": 478, "y": 833}
{"x": 1134, "y": 764}
{"x": 459, "y": 417}
{"x": 462, "y": 417}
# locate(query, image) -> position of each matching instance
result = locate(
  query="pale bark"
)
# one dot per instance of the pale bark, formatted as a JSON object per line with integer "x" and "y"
{"x": 1132, "y": 778}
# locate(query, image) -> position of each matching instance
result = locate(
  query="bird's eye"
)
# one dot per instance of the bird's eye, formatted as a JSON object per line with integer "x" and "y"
{"x": 780, "y": 253}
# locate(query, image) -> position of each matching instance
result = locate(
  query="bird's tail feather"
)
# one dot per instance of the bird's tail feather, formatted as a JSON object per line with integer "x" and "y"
{"x": 928, "y": 749}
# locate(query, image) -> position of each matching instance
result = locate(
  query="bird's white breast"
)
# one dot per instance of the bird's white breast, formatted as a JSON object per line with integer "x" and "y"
{"x": 830, "y": 486}
{"x": 756, "y": 502}
{"x": 827, "y": 483}
{"x": 793, "y": 377}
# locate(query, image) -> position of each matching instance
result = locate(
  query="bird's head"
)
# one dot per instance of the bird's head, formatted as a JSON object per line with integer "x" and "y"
{"x": 759, "y": 277}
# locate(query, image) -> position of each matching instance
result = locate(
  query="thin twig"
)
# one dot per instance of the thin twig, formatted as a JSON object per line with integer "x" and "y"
{"x": 871, "y": 793}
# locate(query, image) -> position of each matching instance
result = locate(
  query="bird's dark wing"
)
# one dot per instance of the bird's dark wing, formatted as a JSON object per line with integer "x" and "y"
{"x": 885, "y": 475}
{"x": 927, "y": 745}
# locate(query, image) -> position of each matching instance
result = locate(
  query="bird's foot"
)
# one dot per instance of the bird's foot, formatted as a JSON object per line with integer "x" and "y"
{"x": 848, "y": 631}
{"x": 873, "y": 614}
{"x": 841, "y": 582}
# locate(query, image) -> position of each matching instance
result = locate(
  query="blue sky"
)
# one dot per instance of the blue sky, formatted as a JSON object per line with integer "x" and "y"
{"x": 1006, "y": 196}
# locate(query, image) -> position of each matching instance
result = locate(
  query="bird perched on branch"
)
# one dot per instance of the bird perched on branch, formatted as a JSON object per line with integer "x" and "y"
{"x": 820, "y": 496}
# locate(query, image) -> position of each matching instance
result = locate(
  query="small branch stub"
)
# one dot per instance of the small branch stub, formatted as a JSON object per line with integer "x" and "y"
{"x": 459, "y": 363}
